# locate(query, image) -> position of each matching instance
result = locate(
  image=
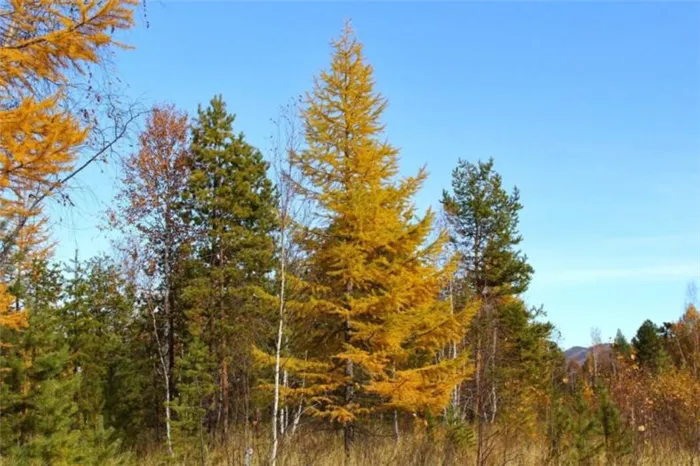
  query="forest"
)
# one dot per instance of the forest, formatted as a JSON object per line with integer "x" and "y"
{"x": 292, "y": 307}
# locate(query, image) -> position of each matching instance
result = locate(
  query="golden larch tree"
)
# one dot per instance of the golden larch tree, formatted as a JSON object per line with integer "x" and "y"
{"x": 42, "y": 44}
{"x": 373, "y": 320}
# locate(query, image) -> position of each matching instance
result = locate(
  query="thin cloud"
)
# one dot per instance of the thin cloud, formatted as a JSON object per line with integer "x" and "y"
{"x": 653, "y": 272}
{"x": 658, "y": 239}
{"x": 692, "y": 238}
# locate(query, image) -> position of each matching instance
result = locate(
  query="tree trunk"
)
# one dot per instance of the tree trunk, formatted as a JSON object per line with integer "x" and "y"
{"x": 477, "y": 404}
{"x": 284, "y": 411}
{"x": 300, "y": 408}
{"x": 166, "y": 380}
{"x": 494, "y": 398}
{"x": 297, "y": 417}
{"x": 168, "y": 431}
{"x": 167, "y": 369}
{"x": 396, "y": 426}
{"x": 224, "y": 392}
{"x": 453, "y": 352}
{"x": 278, "y": 348}
{"x": 275, "y": 401}
{"x": 348, "y": 427}
{"x": 224, "y": 362}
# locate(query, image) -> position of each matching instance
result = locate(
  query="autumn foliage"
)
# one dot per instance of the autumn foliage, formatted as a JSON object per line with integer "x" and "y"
{"x": 372, "y": 310}
{"x": 326, "y": 307}
{"x": 42, "y": 44}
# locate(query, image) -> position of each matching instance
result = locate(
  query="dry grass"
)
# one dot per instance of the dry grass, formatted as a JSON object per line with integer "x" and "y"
{"x": 325, "y": 448}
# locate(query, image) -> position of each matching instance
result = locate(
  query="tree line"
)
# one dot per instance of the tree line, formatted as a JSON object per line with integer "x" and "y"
{"x": 253, "y": 303}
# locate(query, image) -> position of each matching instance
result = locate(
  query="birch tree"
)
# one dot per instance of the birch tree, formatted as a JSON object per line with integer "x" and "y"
{"x": 146, "y": 212}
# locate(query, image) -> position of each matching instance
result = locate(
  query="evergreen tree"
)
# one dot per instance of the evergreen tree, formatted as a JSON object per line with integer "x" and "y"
{"x": 585, "y": 434}
{"x": 648, "y": 346}
{"x": 484, "y": 226}
{"x": 99, "y": 319}
{"x": 524, "y": 357}
{"x": 620, "y": 345}
{"x": 195, "y": 371}
{"x": 231, "y": 205}
{"x": 41, "y": 419}
{"x": 557, "y": 420}
{"x": 40, "y": 414}
{"x": 617, "y": 441}
{"x": 372, "y": 318}
{"x": 483, "y": 219}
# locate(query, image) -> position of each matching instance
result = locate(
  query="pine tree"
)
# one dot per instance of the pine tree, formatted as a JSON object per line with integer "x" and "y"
{"x": 43, "y": 383}
{"x": 40, "y": 412}
{"x": 484, "y": 225}
{"x": 522, "y": 360}
{"x": 586, "y": 442}
{"x": 197, "y": 385}
{"x": 372, "y": 320}
{"x": 621, "y": 346}
{"x": 99, "y": 321}
{"x": 617, "y": 440}
{"x": 557, "y": 422}
{"x": 649, "y": 348}
{"x": 483, "y": 219}
{"x": 231, "y": 205}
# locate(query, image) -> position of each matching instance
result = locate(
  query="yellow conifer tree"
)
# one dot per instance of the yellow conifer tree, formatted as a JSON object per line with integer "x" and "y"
{"x": 43, "y": 43}
{"x": 373, "y": 321}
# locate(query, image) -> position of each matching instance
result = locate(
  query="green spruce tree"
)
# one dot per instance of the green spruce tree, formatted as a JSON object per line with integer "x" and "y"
{"x": 197, "y": 386}
{"x": 42, "y": 418}
{"x": 104, "y": 339}
{"x": 621, "y": 346}
{"x": 39, "y": 420}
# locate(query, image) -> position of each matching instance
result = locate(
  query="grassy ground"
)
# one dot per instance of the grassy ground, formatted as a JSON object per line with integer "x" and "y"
{"x": 325, "y": 448}
{"x": 319, "y": 446}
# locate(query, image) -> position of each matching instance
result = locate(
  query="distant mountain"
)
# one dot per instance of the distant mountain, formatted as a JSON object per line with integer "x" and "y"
{"x": 580, "y": 353}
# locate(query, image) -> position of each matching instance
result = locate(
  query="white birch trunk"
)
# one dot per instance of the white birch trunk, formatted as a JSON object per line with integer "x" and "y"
{"x": 284, "y": 417}
{"x": 164, "y": 364}
{"x": 275, "y": 401}
{"x": 278, "y": 352}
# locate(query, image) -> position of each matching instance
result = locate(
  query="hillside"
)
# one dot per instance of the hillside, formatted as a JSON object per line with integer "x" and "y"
{"x": 580, "y": 353}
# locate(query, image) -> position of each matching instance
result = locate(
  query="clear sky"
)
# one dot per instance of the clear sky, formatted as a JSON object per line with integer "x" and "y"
{"x": 591, "y": 108}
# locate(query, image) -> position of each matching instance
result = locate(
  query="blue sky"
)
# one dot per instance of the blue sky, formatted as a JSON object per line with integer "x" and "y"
{"x": 592, "y": 109}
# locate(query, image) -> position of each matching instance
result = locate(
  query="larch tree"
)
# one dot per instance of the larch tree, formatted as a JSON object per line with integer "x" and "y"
{"x": 231, "y": 206}
{"x": 372, "y": 315}
{"x": 683, "y": 340}
{"x": 147, "y": 212}
{"x": 43, "y": 45}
